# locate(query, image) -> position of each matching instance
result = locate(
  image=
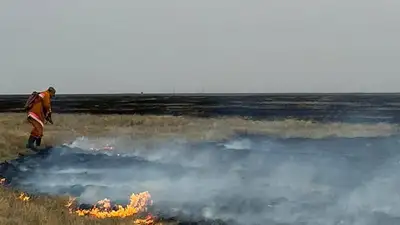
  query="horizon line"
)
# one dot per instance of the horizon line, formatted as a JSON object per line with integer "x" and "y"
{"x": 219, "y": 93}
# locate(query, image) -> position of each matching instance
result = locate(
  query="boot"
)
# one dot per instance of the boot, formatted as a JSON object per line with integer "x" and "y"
{"x": 38, "y": 141}
{"x": 31, "y": 143}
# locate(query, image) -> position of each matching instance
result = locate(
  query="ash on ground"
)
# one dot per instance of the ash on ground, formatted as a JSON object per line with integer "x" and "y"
{"x": 246, "y": 180}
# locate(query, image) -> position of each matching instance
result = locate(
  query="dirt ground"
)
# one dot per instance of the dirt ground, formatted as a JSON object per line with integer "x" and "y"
{"x": 52, "y": 210}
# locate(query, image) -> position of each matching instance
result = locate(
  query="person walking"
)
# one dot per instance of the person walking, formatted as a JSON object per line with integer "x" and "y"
{"x": 38, "y": 107}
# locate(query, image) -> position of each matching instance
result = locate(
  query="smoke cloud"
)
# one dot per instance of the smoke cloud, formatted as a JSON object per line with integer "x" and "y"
{"x": 244, "y": 180}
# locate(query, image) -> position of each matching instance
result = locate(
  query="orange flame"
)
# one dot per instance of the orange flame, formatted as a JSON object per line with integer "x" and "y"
{"x": 103, "y": 209}
{"x": 24, "y": 197}
{"x": 70, "y": 203}
{"x": 149, "y": 220}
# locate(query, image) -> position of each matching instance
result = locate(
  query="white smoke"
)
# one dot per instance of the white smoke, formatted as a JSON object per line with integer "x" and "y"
{"x": 245, "y": 180}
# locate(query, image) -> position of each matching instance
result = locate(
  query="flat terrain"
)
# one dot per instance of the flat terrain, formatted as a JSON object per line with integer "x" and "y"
{"x": 351, "y": 108}
{"x": 52, "y": 210}
{"x": 67, "y": 127}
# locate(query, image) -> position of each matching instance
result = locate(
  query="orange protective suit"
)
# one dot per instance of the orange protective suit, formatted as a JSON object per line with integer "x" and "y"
{"x": 38, "y": 113}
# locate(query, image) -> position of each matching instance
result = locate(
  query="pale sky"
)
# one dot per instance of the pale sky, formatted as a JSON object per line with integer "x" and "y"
{"x": 104, "y": 46}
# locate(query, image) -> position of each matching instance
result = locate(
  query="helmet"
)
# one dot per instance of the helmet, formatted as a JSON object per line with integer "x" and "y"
{"x": 52, "y": 90}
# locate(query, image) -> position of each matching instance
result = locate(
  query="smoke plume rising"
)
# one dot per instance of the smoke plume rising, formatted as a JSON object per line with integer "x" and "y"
{"x": 247, "y": 179}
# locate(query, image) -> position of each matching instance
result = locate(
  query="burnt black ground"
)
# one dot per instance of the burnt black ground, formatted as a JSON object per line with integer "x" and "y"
{"x": 353, "y": 108}
{"x": 248, "y": 179}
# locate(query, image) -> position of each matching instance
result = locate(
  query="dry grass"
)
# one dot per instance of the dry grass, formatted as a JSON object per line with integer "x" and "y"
{"x": 43, "y": 210}
{"x": 52, "y": 210}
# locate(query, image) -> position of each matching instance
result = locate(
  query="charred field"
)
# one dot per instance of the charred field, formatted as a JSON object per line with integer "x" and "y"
{"x": 300, "y": 159}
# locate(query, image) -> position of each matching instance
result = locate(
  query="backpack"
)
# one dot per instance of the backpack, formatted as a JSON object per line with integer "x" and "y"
{"x": 31, "y": 100}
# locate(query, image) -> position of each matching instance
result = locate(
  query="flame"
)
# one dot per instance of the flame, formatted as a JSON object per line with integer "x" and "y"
{"x": 149, "y": 220}
{"x": 70, "y": 203}
{"x": 104, "y": 209}
{"x": 24, "y": 197}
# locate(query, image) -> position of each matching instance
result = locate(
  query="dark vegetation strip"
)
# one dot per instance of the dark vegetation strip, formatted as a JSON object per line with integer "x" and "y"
{"x": 353, "y": 108}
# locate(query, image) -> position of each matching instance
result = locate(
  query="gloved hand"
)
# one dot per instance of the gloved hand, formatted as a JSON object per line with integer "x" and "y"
{"x": 49, "y": 119}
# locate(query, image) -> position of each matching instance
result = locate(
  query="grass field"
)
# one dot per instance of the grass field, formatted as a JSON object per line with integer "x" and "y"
{"x": 52, "y": 211}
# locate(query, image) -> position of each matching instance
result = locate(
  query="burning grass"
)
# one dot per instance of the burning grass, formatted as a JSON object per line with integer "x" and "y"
{"x": 19, "y": 208}
{"x": 137, "y": 208}
{"x": 135, "y": 211}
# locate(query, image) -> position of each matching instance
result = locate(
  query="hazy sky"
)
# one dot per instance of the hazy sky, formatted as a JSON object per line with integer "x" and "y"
{"x": 99, "y": 46}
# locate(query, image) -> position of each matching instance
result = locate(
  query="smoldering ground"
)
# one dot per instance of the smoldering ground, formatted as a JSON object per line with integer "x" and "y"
{"x": 247, "y": 179}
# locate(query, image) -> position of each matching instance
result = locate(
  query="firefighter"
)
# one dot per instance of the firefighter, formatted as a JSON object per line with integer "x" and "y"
{"x": 39, "y": 111}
